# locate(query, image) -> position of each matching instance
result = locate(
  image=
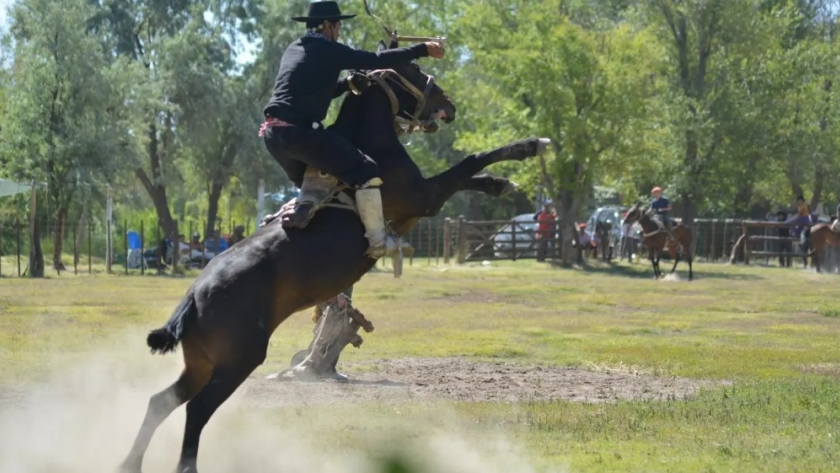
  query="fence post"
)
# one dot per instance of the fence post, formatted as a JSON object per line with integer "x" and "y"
{"x": 429, "y": 243}
{"x": 412, "y": 240}
{"x": 714, "y": 229}
{"x": 437, "y": 242}
{"x": 447, "y": 239}
{"x": 90, "y": 237}
{"x": 125, "y": 242}
{"x": 142, "y": 249}
{"x": 109, "y": 248}
{"x": 75, "y": 252}
{"x": 189, "y": 243}
{"x": 513, "y": 240}
{"x": 17, "y": 243}
{"x": 176, "y": 247}
{"x": 202, "y": 243}
{"x": 746, "y": 243}
{"x": 725, "y": 244}
{"x": 260, "y": 204}
{"x": 461, "y": 241}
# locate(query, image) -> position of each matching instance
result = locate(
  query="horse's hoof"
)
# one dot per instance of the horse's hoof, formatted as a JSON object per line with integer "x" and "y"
{"x": 341, "y": 378}
{"x": 191, "y": 468}
{"x": 305, "y": 372}
{"x": 542, "y": 144}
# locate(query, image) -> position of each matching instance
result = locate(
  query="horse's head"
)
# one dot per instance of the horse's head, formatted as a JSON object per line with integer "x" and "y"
{"x": 634, "y": 214}
{"x": 416, "y": 100}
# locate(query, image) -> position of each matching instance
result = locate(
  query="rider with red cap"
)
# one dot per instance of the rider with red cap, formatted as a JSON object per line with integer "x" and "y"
{"x": 661, "y": 206}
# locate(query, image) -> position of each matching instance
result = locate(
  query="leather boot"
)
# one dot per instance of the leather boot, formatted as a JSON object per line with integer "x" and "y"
{"x": 369, "y": 203}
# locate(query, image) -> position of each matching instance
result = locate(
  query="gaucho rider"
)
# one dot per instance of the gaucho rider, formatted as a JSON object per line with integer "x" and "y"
{"x": 661, "y": 206}
{"x": 306, "y": 84}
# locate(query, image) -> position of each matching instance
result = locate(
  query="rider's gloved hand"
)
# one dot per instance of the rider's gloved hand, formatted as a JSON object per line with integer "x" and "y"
{"x": 435, "y": 49}
{"x": 358, "y": 82}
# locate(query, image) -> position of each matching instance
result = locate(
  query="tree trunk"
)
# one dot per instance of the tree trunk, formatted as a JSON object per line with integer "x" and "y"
{"x": 212, "y": 209}
{"x": 157, "y": 192}
{"x": 819, "y": 180}
{"x": 156, "y": 187}
{"x": 58, "y": 238}
{"x": 567, "y": 220}
{"x": 218, "y": 184}
{"x": 36, "y": 256}
{"x": 570, "y": 203}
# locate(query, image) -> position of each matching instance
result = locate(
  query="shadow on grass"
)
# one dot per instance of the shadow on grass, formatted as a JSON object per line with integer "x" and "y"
{"x": 644, "y": 270}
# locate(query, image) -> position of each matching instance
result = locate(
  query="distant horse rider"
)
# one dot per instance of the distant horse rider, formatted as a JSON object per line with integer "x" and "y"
{"x": 661, "y": 206}
{"x": 307, "y": 81}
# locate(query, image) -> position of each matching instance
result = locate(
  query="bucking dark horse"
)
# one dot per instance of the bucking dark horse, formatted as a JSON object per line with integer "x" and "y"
{"x": 228, "y": 314}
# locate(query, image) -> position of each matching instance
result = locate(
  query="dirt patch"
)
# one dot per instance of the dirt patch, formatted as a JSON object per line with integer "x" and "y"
{"x": 831, "y": 370}
{"x": 457, "y": 379}
{"x": 479, "y": 297}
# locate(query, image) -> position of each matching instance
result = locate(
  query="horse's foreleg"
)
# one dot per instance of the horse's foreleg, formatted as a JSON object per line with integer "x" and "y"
{"x": 462, "y": 176}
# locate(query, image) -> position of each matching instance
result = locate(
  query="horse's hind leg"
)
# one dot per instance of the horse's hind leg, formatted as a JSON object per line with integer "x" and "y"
{"x": 460, "y": 177}
{"x": 228, "y": 375}
{"x": 490, "y": 185}
{"x": 689, "y": 258}
{"x": 675, "y": 255}
{"x": 196, "y": 373}
{"x": 654, "y": 262}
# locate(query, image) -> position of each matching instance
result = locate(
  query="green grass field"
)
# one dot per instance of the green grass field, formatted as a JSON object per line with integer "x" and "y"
{"x": 772, "y": 332}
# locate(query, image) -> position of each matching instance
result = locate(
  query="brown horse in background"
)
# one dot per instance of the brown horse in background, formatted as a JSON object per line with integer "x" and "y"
{"x": 656, "y": 239}
{"x": 822, "y": 236}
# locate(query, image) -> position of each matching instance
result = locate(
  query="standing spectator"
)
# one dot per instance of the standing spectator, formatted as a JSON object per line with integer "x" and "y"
{"x": 545, "y": 229}
{"x": 628, "y": 239}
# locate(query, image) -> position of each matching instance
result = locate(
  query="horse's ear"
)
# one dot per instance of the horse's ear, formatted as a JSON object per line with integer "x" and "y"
{"x": 381, "y": 46}
{"x": 394, "y": 43}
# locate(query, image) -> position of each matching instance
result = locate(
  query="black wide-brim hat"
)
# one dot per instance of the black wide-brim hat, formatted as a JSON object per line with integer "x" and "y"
{"x": 323, "y": 11}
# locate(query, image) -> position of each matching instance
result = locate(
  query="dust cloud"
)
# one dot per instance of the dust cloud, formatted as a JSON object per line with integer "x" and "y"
{"x": 85, "y": 418}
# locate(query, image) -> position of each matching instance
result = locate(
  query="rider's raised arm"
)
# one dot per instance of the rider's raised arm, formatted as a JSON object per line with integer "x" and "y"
{"x": 349, "y": 58}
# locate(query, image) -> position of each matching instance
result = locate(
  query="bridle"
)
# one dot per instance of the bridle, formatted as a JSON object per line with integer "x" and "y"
{"x": 410, "y": 122}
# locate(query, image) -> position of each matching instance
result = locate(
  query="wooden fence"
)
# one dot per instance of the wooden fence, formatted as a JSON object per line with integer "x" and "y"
{"x": 713, "y": 240}
{"x": 761, "y": 239}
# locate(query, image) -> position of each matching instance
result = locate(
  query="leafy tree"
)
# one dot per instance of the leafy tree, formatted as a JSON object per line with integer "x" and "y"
{"x": 66, "y": 114}
{"x": 541, "y": 74}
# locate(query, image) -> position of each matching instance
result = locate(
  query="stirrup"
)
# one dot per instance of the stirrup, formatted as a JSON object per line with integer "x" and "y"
{"x": 391, "y": 246}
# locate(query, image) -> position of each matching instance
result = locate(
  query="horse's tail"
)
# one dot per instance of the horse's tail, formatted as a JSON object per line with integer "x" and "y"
{"x": 166, "y": 338}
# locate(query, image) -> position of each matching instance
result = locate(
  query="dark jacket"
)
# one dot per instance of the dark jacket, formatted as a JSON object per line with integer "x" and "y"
{"x": 307, "y": 80}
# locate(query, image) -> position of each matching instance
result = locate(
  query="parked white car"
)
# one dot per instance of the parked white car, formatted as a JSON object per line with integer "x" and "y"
{"x": 526, "y": 228}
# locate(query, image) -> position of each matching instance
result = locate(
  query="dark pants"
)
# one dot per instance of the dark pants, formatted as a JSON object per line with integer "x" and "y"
{"x": 544, "y": 244}
{"x": 295, "y": 147}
